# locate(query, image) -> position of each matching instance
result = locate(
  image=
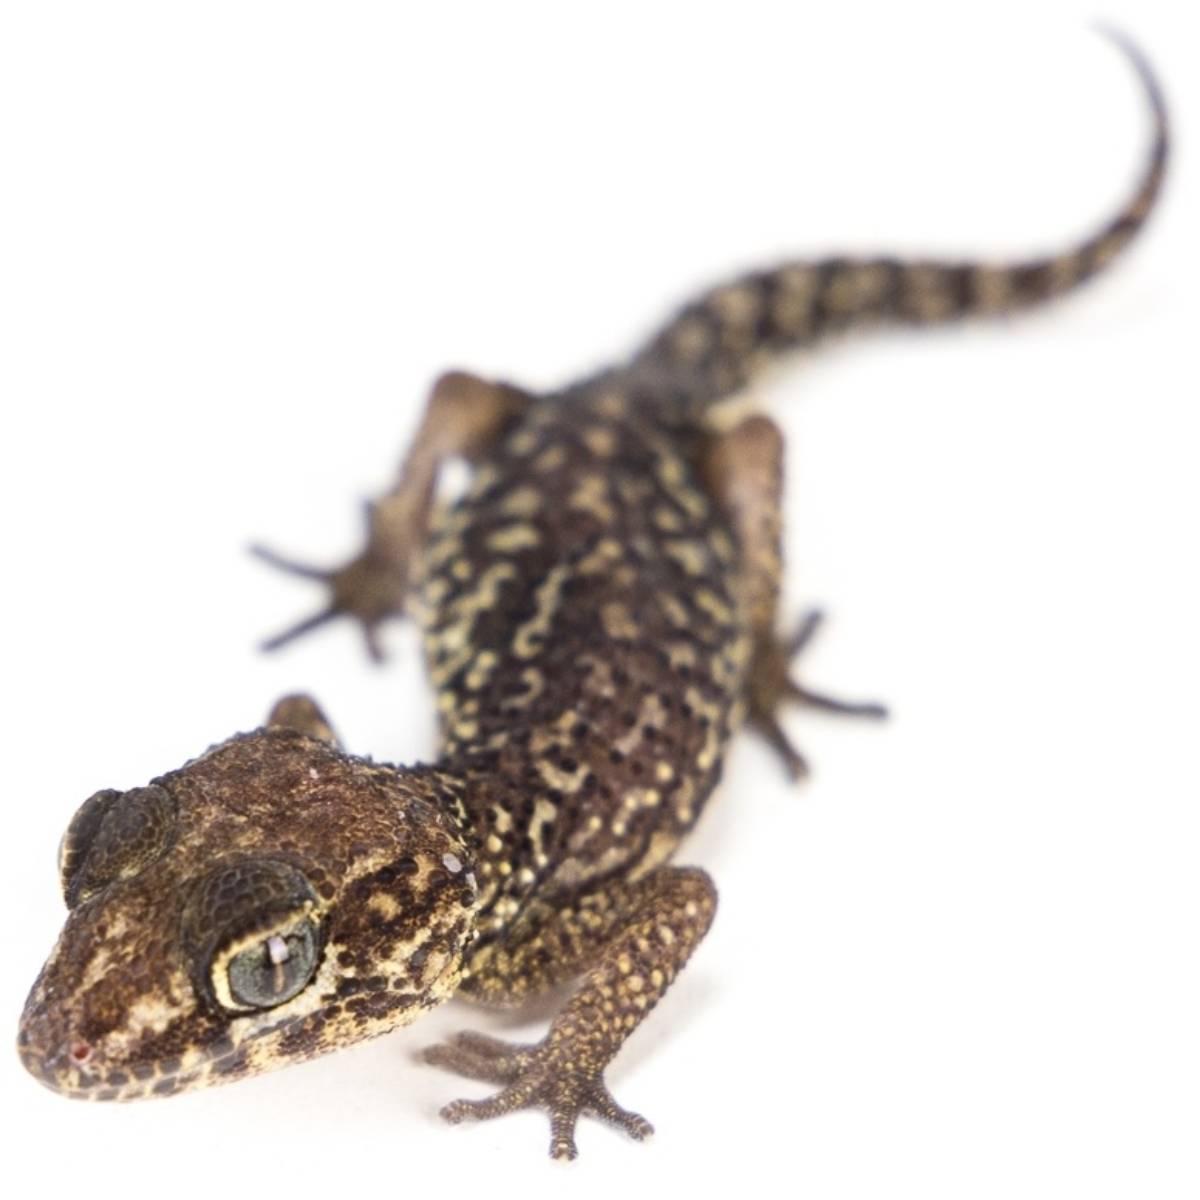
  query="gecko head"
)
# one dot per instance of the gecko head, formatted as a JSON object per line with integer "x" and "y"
{"x": 272, "y": 899}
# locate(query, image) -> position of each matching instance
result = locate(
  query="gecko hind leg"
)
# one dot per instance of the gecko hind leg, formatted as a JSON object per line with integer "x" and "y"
{"x": 743, "y": 471}
{"x": 464, "y": 416}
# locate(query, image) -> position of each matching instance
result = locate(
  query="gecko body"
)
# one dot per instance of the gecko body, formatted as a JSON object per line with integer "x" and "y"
{"x": 599, "y": 616}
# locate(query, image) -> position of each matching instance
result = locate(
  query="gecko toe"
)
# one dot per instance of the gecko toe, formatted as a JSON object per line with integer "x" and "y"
{"x": 771, "y": 685}
{"x": 506, "y": 1101}
{"x": 478, "y": 1056}
{"x": 532, "y": 1077}
{"x": 369, "y": 589}
{"x": 562, "y": 1137}
{"x": 602, "y": 1105}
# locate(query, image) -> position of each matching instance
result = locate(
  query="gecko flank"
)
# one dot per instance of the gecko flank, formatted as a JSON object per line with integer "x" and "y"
{"x": 599, "y": 614}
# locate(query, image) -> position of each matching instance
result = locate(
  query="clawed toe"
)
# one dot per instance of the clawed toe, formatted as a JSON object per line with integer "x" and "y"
{"x": 794, "y": 762}
{"x": 489, "y": 1047}
{"x": 289, "y": 565}
{"x": 458, "y": 1111}
{"x": 478, "y": 1056}
{"x": 602, "y": 1105}
{"x": 809, "y": 624}
{"x": 771, "y": 685}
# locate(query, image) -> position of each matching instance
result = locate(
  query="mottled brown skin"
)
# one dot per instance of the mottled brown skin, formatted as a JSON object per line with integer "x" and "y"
{"x": 600, "y": 617}
{"x": 259, "y": 828}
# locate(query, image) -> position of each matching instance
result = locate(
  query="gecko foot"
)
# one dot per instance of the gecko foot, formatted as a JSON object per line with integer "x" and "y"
{"x": 771, "y": 685}
{"x": 537, "y": 1076}
{"x": 369, "y": 588}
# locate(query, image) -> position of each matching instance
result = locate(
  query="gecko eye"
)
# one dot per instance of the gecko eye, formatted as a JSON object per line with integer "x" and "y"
{"x": 269, "y": 969}
{"x": 254, "y": 930}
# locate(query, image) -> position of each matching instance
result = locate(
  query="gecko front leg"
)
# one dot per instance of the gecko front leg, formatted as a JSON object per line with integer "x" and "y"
{"x": 464, "y": 416}
{"x": 630, "y": 940}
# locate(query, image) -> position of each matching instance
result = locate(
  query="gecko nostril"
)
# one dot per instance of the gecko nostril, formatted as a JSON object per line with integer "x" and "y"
{"x": 79, "y": 1053}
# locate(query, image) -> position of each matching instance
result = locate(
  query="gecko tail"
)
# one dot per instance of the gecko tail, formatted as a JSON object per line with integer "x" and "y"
{"x": 714, "y": 346}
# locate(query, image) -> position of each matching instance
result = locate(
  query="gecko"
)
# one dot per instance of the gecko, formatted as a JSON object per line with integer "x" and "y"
{"x": 599, "y": 615}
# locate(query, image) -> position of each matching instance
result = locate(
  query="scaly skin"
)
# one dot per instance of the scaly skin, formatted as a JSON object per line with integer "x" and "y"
{"x": 600, "y": 617}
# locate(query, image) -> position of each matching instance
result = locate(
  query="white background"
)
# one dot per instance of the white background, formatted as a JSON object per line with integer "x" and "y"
{"x": 236, "y": 243}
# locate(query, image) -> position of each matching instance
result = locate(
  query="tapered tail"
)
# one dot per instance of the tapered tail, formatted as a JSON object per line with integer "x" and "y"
{"x": 714, "y": 346}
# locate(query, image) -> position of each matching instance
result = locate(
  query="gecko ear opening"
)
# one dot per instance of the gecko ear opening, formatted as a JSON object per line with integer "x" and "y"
{"x": 303, "y": 714}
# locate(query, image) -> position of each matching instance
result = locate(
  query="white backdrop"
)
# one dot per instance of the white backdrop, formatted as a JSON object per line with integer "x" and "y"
{"x": 236, "y": 243}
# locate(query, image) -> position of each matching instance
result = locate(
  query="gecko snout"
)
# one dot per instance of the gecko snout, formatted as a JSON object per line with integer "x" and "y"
{"x": 58, "y": 1060}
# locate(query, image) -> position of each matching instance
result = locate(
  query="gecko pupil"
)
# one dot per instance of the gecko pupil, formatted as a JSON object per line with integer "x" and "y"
{"x": 274, "y": 969}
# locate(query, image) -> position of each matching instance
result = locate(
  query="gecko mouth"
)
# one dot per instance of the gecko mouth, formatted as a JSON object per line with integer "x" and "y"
{"x": 79, "y": 1071}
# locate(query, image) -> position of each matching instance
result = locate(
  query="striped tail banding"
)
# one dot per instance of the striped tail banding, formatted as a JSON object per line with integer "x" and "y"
{"x": 714, "y": 346}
